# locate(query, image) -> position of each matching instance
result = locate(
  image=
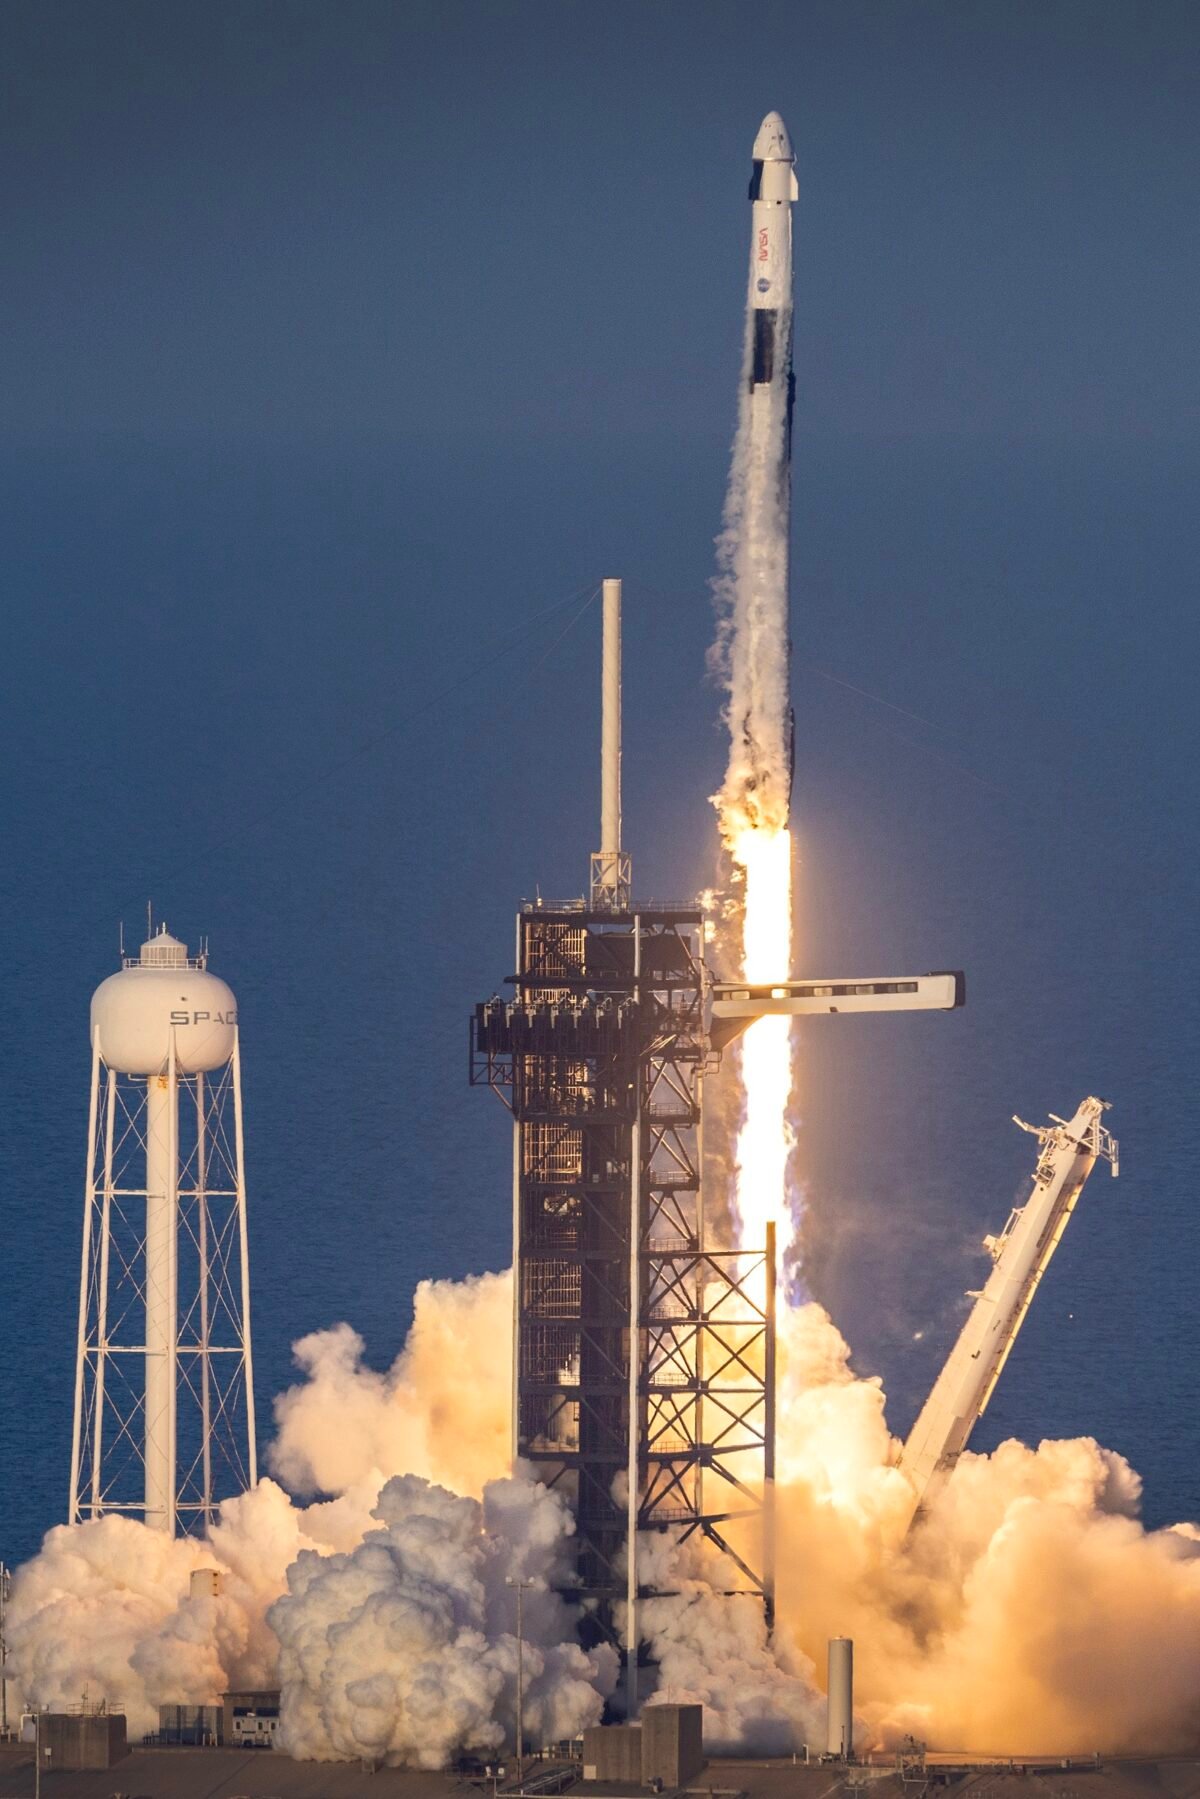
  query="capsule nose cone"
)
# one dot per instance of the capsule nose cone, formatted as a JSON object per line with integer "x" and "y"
{"x": 773, "y": 143}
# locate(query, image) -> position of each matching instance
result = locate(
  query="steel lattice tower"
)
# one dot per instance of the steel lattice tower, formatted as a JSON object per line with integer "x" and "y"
{"x": 643, "y": 1356}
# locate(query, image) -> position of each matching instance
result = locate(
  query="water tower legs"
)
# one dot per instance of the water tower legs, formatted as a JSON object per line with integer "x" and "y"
{"x": 162, "y": 1181}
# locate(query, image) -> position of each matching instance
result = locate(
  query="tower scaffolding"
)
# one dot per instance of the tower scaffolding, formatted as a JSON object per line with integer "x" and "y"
{"x": 600, "y": 1054}
{"x": 643, "y": 1355}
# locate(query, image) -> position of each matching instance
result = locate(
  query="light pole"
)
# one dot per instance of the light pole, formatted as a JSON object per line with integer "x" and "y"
{"x": 3, "y": 1652}
{"x": 521, "y": 1586}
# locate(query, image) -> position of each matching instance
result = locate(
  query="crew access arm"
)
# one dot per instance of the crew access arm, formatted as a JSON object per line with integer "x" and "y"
{"x": 1067, "y": 1153}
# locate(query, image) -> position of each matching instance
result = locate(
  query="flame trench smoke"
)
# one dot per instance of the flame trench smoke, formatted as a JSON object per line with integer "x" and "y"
{"x": 1034, "y": 1614}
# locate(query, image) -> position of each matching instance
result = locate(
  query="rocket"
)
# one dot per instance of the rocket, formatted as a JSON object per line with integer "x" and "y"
{"x": 773, "y": 188}
{"x": 754, "y": 548}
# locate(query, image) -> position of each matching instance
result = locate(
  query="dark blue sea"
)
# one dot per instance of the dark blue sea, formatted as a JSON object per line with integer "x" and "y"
{"x": 277, "y": 698}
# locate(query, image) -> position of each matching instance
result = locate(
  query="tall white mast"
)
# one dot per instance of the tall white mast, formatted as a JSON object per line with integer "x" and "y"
{"x": 611, "y": 868}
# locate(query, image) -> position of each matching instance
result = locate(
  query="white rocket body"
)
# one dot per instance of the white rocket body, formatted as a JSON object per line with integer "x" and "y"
{"x": 773, "y": 188}
{"x": 760, "y": 523}
{"x": 1021, "y": 1254}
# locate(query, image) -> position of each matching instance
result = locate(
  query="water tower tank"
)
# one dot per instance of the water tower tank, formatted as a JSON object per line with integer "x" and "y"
{"x": 134, "y": 1011}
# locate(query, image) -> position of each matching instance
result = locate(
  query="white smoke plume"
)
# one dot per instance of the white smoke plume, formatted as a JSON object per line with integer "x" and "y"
{"x": 404, "y": 1650}
{"x": 1021, "y": 1617}
{"x": 443, "y": 1409}
{"x": 105, "y": 1607}
{"x": 1032, "y": 1613}
{"x": 759, "y": 1696}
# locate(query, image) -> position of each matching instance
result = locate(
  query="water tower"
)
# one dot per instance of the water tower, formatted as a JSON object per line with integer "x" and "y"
{"x": 164, "y": 1392}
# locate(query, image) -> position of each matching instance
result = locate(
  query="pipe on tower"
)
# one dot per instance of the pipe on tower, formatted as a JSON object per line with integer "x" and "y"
{"x": 840, "y": 1739}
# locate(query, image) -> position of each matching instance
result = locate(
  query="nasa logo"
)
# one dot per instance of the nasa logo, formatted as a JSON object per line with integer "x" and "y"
{"x": 763, "y": 286}
{"x": 764, "y": 244}
{"x": 204, "y": 1017}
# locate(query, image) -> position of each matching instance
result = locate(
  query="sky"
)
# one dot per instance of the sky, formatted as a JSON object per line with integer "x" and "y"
{"x": 340, "y": 347}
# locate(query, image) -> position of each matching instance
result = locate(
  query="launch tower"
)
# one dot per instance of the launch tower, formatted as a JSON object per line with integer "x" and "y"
{"x": 164, "y": 1392}
{"x": 643, "y": 1355}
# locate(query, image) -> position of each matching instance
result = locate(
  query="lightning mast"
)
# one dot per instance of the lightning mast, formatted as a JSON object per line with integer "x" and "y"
{"x": 1067, "y": 1152}
{"x": 164, "y": 1392}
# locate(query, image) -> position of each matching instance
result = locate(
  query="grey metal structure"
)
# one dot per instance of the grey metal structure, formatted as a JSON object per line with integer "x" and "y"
{"x": 600, "y": 1054}
{"x": 643, "y": 1357}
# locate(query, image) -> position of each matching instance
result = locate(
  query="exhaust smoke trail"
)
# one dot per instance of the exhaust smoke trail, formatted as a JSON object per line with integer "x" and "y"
{"x": 751, "y": 654}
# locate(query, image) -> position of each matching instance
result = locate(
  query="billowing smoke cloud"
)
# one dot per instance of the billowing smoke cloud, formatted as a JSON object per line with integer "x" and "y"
{"x": 443, "y": 1409}
{"x": 758, "y": 1696}
{"x": 106, "y": 1605}
{"x": 405, "y": 1650}
{"x": 1032, "y": 1612}
{"x": 1022, "y": 1616}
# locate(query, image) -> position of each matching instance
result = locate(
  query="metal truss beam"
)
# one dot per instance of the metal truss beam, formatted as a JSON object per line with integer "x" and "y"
{"x": 600, "y": 1052}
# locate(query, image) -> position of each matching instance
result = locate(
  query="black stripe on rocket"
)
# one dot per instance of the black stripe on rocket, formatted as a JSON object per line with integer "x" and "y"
{"x": 762, "y": 370}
